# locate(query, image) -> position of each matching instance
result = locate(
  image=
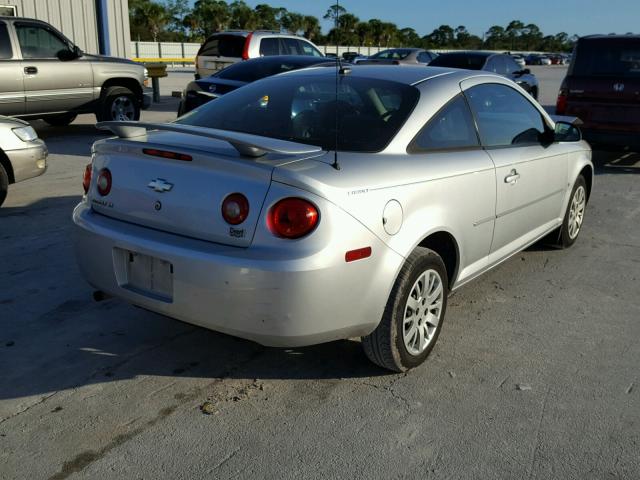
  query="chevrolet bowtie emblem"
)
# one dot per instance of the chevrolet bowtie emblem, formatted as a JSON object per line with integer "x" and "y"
{"x": 160, "y": 185}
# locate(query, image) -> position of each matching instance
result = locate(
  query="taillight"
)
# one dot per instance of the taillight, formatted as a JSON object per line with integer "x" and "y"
{"x": 86, "y": 178}
{"x": 235, "y": 209}
{"x": 292, "y": 218}
{"x": 245, "y": 50}
{"x": 104, "y": 182}
{"x": 561, "y": 103}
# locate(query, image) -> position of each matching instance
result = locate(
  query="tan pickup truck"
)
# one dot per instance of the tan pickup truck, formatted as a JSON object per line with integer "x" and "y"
{"x": 44, "y": 75}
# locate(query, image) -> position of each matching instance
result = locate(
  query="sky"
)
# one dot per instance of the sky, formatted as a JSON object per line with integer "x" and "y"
{"x": 581, "y": 17}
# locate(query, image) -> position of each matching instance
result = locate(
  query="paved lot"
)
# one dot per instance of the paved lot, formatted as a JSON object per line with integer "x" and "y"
{"x": 106, "y": 390}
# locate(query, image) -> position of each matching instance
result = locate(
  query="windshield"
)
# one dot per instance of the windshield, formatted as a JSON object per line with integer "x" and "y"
{"x": 469, "y": 62}
{"x": 608, "y": 58}
{"x": 302, "y": 108}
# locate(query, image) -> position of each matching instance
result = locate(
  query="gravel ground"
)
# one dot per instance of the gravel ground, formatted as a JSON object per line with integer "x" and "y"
{"x": 535, "y": 374}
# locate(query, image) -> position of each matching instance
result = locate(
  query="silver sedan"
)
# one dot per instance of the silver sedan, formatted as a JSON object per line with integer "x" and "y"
{"x": 306, "y": 208}
{"x": 22, "y": 154}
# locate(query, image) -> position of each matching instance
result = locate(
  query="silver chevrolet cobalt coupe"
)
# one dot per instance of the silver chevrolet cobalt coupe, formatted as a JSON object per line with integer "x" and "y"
{"x": 320, "y": 205}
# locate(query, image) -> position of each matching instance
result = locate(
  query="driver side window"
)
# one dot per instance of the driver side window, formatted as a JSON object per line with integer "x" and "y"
{"x": 504, "y": 117}
{"x": 39, "y": 42}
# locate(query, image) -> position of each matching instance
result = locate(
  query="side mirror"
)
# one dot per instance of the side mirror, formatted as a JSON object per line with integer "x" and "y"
{"x": 526, "y": 71}
{"x": 566, "y": 132}
{"x": 66, "y": 54}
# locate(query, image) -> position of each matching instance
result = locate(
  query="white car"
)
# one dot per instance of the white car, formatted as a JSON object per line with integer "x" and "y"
{"x": 22, "y": 154}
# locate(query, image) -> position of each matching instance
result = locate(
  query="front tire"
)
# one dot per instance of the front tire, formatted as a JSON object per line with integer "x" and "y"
{"x": 118, "y": 104}
{"x": 4, "y": 183}
{"x": 413, "y": 316}
{"x": 574, "y": 216}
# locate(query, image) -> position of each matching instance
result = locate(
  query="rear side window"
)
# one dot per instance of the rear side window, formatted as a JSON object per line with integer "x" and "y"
{"x": 504, "y": 116}
{"x": 5, "y": 44}
{"x": 223, "y": 46}
{"x": 269, "y": 47}
{"x": 451, "y": 128}
{"x": 309, "y": 49}
{"x": 619, "y": 58}
{"x": 292, "y": 46}
{"x": 496, "y": 65}
{"x": 303, "y": 108}
{"x": 424, "y": 57}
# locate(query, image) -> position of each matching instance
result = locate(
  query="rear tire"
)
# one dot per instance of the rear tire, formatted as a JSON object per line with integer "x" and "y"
{"x": 413, "y": 316}
{"x": 60, "y": 120}
{"x": 4, "y": 183}
{"x": 118, "y": 104}
{"x": 574, "y": 216}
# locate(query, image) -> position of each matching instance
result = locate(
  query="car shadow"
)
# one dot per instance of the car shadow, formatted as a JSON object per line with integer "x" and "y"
{"x": 54, "y": 336}
{"x": 616, "y": 161}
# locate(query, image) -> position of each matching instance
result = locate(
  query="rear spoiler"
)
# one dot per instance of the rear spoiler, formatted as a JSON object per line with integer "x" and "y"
{"x": 245, "y": 143}
{"x": 575, "y": 121}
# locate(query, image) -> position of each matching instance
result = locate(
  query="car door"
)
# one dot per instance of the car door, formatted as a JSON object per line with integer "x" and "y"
{"x": 448, "y": 148}
{"x": 11, "y": 83}
{"x": 531, "y": 173}
{"x": 50, "y": 84}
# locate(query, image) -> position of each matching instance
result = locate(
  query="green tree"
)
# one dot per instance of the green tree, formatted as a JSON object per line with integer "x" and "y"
{"x": 207, "y": 17}
{"x": 334, "y": 12}
{"x": 293, "y": 22}
{"x": 311, "y": 29}
{"x": 242, "y": 16}
{"x": 268, "y": 17}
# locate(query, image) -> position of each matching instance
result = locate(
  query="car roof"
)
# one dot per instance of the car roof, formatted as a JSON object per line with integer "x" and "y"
{"x": 408, "y": 74}
{"x": 470, "y": 53}
{"x": 5, "y": 18}
{"x": 634, "y": 36}
{"x": 302, "y": 59}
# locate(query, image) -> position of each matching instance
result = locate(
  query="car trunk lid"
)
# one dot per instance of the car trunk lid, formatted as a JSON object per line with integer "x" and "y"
{"x": 184, "y": 194}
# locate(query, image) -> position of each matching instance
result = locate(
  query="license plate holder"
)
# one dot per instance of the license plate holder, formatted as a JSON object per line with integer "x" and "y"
{"x": 148, "y": 275}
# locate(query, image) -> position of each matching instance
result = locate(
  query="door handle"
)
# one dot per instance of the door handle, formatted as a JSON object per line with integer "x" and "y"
{"x": 512, "y": 178}
{"x": 31, "y": 70}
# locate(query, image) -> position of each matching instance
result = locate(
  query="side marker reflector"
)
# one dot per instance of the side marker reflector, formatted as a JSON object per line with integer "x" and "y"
{"x": 358, "y": 254}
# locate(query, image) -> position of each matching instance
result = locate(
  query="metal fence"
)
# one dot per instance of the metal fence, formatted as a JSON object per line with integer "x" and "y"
{"x": 174, "y": 52}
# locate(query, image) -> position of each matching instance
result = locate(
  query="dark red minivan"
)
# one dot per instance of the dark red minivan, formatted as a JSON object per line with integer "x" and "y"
{"x": 602, "y": 88}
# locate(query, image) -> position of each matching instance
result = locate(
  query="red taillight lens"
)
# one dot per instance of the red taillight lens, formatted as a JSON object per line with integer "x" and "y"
{"x": 561, "y": 103}
{"x": 235, "y": 209}
{"x": 166, "y": 154}
{"x": 86, "y": 178}
{"x": 245, "y": 50}
{"x": 292, "y": 218}
{"x": 104, "y": 182}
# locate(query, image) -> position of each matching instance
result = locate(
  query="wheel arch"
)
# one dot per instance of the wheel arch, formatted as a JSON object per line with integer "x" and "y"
{"x": 4, "y": 161}
{"x": 130, "y": 83}
{"x": 444, "y": 244}
{"x": 587, "y": 174}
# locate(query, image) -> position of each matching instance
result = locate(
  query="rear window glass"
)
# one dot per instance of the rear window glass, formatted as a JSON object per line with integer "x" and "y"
{"x": 617, "y": 58}
{"x": 469, "y": 62}
{"x": 303, "y": 108}
{"x": 5, "y": 44}
{"x": 223, "y": 46}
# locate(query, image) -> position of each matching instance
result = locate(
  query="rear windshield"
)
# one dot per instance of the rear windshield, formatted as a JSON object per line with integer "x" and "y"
{"x": 255, "y": 70}
{"x": 469, "y": 62}
{"x": 303, "y": 108}
{"x": 610, "y": 57}
{"x": 223, "y": 46}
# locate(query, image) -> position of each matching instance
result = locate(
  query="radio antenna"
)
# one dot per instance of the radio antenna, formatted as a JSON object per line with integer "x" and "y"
{"x": 336, "y": 18}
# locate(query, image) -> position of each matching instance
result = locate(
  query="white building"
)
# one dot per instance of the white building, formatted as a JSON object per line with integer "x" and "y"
{"x": 96, "y": 26}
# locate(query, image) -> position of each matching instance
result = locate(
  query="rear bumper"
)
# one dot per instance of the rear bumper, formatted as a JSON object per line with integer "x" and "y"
{"x": 243, "y": 292}
{"x": 28, "y": 162}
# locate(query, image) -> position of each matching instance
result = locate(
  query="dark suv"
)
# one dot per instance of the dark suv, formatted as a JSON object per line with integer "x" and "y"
{"x": 602, "y": 88}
